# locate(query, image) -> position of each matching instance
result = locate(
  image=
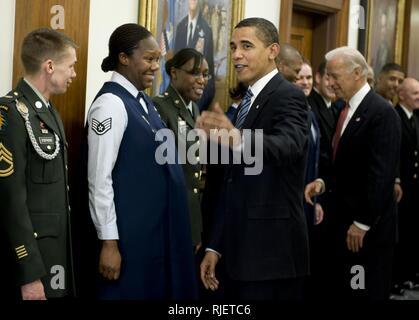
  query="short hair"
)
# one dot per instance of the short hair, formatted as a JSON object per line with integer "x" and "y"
{"x": 391, "y": 66}
{"x": 321, "y": 69}
{"x": 352, "y": 57}
{"x": 124, "y": 39}
{"x": 288, "y": 53}
{"x": 183, "y": 56}
{"x": 42, "y": 44}
{"x": 265, "y": 30}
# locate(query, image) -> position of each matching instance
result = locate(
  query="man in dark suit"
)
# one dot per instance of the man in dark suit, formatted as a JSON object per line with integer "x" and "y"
{"x": 365, "y": 154}
{"x": 406, "y": 258}
{"x": 388, "y": 80}
{"x": 321, "y": 101}
{"x": 34, "y": 219}
{"x": 260, "y": 230}
{"x": 193, "y": 31}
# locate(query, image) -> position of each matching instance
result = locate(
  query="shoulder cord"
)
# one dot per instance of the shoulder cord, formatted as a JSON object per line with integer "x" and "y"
{"x": 21, "y": 107}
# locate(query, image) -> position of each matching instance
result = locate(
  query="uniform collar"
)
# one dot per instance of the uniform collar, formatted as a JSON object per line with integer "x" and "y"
{"x": 36, "y": 91}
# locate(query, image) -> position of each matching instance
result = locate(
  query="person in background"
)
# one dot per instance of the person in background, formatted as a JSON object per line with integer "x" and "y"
{"x": 314, "y": 185}
{"x": 366, "y": 147}
{"x": 371, "y": 77}
{"x": 193, "y": 31}
{"x": 35, "y": 214}
{"x": 406, "y": 258}
{"x": 138, "y": 206}
{"x": 388, "y": 80}
{"x": 305, "y": 78}
{"x": 188, "y": 72}
{"x": 289, "y": 62}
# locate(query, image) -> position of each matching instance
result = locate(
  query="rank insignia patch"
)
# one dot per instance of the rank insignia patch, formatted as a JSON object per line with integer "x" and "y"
{"x": 3, "y": 120}
{"x": 21, "y": 252}
{"x": 101, "y": 127}
{"x": 6, "y": 162}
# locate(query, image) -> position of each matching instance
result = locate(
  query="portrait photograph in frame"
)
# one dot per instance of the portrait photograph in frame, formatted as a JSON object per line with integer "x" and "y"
{"x": 167, "y": 21}
{"x": 384, "y": 32}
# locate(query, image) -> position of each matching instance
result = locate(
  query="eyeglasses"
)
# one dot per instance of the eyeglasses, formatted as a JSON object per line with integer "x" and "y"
{"x": 197, "y": 75}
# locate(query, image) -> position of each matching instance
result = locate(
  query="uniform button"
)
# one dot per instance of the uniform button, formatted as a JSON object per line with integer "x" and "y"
{"x": 197, "y": 159}
{"x": 415, "y": 176}
{"x": 196, "y": 175}
{"x": 66, "y": 167}
{"x": 416, "y": 165}
{"x": 35, "y": 235}
{"x": 69, "y": 208}
{"x": 68, "y": 188}
{"x": 195, "y": 190}
{"x": 416, "y": 153}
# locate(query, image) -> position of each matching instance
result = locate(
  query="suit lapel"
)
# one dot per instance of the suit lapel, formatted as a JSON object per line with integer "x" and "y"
{"x": 40, "y": 109}
{"x": 407, "y": 126}
{"x": 358, "y": 118}
{"x": 261, "y": 100}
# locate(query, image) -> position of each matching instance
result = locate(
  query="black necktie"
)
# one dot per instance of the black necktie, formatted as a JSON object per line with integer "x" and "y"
{"x": 190, "y": 35}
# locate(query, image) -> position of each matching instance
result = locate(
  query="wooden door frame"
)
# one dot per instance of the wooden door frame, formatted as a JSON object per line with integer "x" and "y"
{"x": 337, "y": 12}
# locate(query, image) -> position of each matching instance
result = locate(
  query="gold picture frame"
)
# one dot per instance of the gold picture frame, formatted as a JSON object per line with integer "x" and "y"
{"x": 385, "y": 26}
{"x": 153, "y": 14}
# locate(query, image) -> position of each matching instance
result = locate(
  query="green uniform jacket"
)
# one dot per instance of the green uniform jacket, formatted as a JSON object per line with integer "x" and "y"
{"x": 177, "y": 117}
{"x": 34, "y": 218}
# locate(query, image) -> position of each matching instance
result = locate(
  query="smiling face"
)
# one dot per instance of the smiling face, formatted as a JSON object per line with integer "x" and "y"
{"x": 324, "y": 87}
{"x": 388, "y": 82}
{"x": 344, "y": 80}
{"x": 188, "y": 82}
{"x": 252, "y": 59}
{"x": 305, "y": 79}
{"x": 141, "y": 65}
{"x": 62, "y": 71}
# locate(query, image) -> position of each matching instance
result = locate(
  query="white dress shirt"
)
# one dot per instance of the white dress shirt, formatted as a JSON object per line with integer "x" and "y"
{"x": 354, "y": 103}
{"x": 103, "y": 152}
{"x": 409, "y": 113}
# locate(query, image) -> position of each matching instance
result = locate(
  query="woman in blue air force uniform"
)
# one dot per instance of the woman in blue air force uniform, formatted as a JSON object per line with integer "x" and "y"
{"x": 139, "y": 207}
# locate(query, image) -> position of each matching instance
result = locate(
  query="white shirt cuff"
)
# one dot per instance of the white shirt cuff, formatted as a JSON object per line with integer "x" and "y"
{"x": 108, "y": 232}
{"x": 211, "y": 250}
{"x": 362, "y": 226}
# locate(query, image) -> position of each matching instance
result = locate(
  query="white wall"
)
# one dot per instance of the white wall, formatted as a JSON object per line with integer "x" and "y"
{"x": 7, "y": 23}
{"x": 268, "y": 9}
{"x": 354, "y": 23}
{"x": 105, "y": 17}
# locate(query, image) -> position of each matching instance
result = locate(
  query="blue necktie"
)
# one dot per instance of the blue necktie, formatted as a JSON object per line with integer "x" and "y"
{"x": 244, "y": 109}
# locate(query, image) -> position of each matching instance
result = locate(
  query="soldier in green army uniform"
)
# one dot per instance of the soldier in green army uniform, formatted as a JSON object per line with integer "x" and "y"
{"x": 34, "y": 218}
{"x": 188, "y": 72}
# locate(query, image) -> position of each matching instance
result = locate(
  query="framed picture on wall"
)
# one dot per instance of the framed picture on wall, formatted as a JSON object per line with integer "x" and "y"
{"x": 168, "y": 22}
{"x": 384, "y": 32}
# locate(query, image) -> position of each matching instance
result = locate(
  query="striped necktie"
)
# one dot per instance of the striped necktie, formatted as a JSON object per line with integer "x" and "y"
{"x": 243, "y": 109}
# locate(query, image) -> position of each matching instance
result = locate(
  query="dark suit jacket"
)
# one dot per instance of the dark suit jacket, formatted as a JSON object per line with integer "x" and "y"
{"x": 327, "y": 119}
{"x": 260, "y": 228}
{"x": 409, "y": 176}
{"x": 365, "y": 170}
{"x": 34, "y": 218}
{"x": 202, "y": 40}
{"x": 174, "y": 113}
{"x": 312, "y": 169}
